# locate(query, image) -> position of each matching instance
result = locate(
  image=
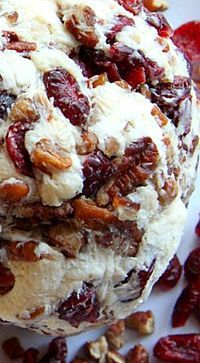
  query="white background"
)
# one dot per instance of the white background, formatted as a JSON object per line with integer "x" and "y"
{"x": 161, "y": 303}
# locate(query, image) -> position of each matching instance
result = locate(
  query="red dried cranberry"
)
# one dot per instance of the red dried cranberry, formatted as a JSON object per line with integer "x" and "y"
{"x": 197, "y": 229}
{"x": 16, "y": 148}
{"x": 57, "y": 351}
{"x": 171, "y": 276}
{"x": 192, "y": 265}
{"x": 186, "y": 304}
{"x": 184, "y": 348}
{"x": 13, "y": 348}
{"x": 7, "y": 280}
{"x": 159, "y": 22}
{"x": 6, "y": 100}
{"x": 134, "y": 6}
{"x": 80, "y": 307}
{"x": 64, "y": 89}
{"x": 96, "y": 169}
{"x": 187, "y": 38}
{"x": 121, "y": 22}
{"x": 136, "y": 77}
{"x": 97, "y": 61}
{"x": 30, "y": 355}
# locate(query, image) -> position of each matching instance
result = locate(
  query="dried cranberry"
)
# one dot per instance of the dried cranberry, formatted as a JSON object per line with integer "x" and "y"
{"x": 30, "y": 355}
{"x": 16, "y": 147}
{"x": 197, "y": 229}
{"x": 81, "y": 306}
{"x": 6, "y": 100}
{"x": 96, "y": 169}
{"x": 13, "y": 348}
{"x": 127, "y": 60}
{"x": 174, "y": 99}
{"x": 57, "y": 351}
{"x": 134, "y": 6}
{"x": 186, "y": 304}
{"x": 192, "y": 265}
{"x": 121, "y": 22}
{"x": 7, "y": 280}
{"x": 136, "y": 77}
{"x": 171, "y": 276}
{"x": 97, "y": 61}
{"x": 187, "y": 38}
{"x": 64, "y": 89}
{"x": 183, "y": 348}
{"x": 159, "y": 22}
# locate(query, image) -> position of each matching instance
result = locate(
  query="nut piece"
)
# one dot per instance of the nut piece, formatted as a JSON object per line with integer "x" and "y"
{"x": 115, "y": 357}
{"x": 138, "y": 355}
{"x": 142, "y": 321}
{"x": 87, "y": 144}
{"x": 114, "y": 334}
{"x": 12, "y": 17}
{"x": 156, "y": 5}
{"x": 81, "y": 25}
{"x": 160, "y": 117}
{"x": 98, "y": 80}
{"x": 50, "y": 157}
{"x": 13, "y": 191}
{"x": 67, "y": 238}
{"x": 97, "y": 349}
{"x": 18, "y": 251}
{"x": 23, "y": 110}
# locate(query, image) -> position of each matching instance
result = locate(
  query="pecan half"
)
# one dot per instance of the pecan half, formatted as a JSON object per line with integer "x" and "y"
{"x": 142, "y": 321}
{"x": 50, "y": 157}
{"x": 82, "y": 25}
{"x": 13, "y": 191}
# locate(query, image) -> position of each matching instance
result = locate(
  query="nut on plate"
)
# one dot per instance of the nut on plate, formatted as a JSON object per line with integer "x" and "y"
{"x": 138, "y": 354}
{"x": 115, "y": 357}
{"x": 115, "y": 333}
{"x": 156, "y": 5}
{"x": 97, "y": 349}
{"x": 142, "y": 321}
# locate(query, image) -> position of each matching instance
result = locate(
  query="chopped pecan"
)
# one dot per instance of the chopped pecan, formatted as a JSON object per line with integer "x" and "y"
{"x": 97, "y": 350}
{"x": 34, "y": 313}
{"x": 12, "y": 17}
{"x": 13, "y": 348}
{"x": 114, "y": 357}
{"x": 50, "y": 157}
{"x": 7, "y": 279}
{"x": 67, "y": 238}
{"x": 98, "y": 80}
{"x": 160, "y": 117}
{"x": 115, "y": 333}
{"x": 22, "y": 46}
{"x": 142, "y": 321}
{"x": 19, "y": 251}
{"x": 23, "y": 110}
{"x": 169, "y": 192}
{"x": 138, "y": 355}
{"x": 87, "y": 144}
{"x": 87, "y": 212}
{"x": 45, "y": 213}
{"x": 81, "y": 24}
{"x": 156, "y": 5}
{"x": 13, "y": 191}
{"x": 112, "y": 147}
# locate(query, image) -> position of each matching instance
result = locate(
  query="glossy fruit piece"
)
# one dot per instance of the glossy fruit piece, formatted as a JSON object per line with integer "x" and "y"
{"x": 16, "y": 147}
{"x": 136, "y": 77}
{"x": 97, "y": 168}
{"x": 134, "y": 6}
{"x": 57, "y": 351}
{"x": 187, "y": 38}
{"x": 171, "y": 276}
{"x": 159, "y": 22}
{"x": 186, "y": 304}
{"x": 121, "y": 22}
{"x": 64, "y": 89}
{"x": 13, "y": 348}
{"x": 192, "y": 265}
{"x": 80, "y": 307}
{"x": 183, "y": 348}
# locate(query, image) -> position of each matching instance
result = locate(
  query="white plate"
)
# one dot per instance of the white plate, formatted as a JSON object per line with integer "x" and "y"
{"x": 161, "y": 303}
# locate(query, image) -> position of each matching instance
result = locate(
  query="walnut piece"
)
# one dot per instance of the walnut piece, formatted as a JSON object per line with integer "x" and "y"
{"x": 115, "y": 333}
{"x": 142, "y": 321}
{"x": 115, "y": 357}
{"x": 137, "y": 355}
{"x": 97, "y": 350}
{"x": 156, "y": 5}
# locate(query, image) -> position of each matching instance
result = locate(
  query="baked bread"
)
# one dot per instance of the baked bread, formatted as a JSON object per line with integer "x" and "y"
{"x": 99, "y": 147}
